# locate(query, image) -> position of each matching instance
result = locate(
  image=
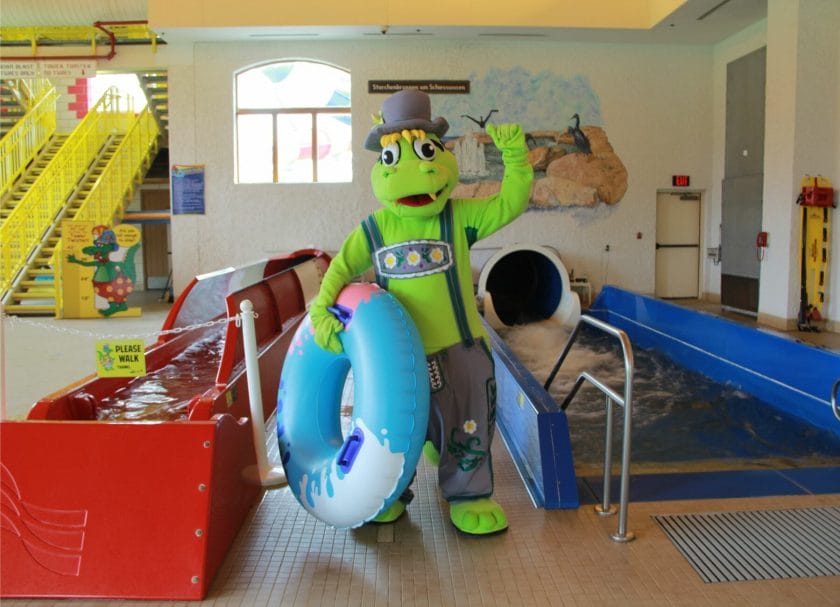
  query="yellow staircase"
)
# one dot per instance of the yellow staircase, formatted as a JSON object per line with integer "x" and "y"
{"x": 12, "y": 197}
{"x": 92, "y": 177}
{"x": 12, "y": 106}
{"x": 27, "y": 136}
{"x": 156, "y": 86}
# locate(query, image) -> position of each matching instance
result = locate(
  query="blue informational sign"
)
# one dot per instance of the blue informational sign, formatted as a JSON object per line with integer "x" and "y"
{"x": 188, "y": 189}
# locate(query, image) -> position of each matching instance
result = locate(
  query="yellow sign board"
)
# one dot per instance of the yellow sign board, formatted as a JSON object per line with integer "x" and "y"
{"x": 120, "y": 358}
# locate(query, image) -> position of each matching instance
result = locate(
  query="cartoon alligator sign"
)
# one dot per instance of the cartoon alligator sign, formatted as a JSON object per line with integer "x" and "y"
{"x": 98, "y": 269}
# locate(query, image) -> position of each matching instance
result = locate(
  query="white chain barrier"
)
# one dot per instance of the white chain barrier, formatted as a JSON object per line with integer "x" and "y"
{"x": 271, "y": 474}
{"x": 16, "y": 320}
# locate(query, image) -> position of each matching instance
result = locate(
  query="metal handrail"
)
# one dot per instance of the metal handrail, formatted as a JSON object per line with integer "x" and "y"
{"x": 26, "y": 138}
{"x": 23, "y": 229}
{"x": 626, "y": 401}
{"x": 104, "y": 203}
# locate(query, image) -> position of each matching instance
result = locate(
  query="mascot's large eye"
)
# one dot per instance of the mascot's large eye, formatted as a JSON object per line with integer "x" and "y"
{"x": 390, "y": 154}
{"x": 425, "y": 149}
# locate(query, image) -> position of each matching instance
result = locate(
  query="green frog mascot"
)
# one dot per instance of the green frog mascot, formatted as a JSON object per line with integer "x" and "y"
{"x": 418, "y": 244}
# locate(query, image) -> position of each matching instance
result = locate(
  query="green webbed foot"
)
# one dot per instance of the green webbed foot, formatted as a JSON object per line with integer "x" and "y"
{"x": 481, "y": 516}
{"x": 432, "y": 454}
{"x": 391, "y": 514}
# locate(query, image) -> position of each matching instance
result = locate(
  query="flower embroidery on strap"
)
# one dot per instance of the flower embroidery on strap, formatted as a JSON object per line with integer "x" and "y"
{"x": 413, "y": 258}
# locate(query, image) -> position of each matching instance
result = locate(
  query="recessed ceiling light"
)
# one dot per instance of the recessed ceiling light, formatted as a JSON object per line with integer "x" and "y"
{"x": 282, "y": 35}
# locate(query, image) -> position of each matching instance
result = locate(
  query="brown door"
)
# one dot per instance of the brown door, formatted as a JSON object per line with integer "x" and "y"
{"x": 677, "y": 244}
{"x": 155, "y": 240}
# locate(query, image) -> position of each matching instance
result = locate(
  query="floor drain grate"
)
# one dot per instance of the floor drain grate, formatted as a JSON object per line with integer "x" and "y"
{"x": 758, "y": 544}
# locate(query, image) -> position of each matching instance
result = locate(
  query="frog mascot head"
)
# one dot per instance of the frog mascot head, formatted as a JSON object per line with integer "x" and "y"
{"x": 415, "y": 173}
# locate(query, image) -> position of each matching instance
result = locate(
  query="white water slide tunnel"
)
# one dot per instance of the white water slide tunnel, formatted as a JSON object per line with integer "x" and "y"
{"x": 525, "y": 283}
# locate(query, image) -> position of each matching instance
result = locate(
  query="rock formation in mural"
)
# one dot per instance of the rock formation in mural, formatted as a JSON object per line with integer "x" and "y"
{"x": 572, "y": 167}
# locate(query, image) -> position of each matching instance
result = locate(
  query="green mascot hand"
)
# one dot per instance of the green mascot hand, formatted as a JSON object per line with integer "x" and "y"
{"x": 507, "y": 137}
{"x": 327, "y": 327}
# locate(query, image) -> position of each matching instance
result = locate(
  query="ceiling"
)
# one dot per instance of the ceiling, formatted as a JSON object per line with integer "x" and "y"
{"x": 696, "y": 22}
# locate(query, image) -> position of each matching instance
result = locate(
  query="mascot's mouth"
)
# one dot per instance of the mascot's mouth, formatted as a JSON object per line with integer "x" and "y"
{"x": 419, "y": 200}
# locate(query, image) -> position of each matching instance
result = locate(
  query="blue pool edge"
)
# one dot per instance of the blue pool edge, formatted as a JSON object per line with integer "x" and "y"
{"x": 535, "y": 429}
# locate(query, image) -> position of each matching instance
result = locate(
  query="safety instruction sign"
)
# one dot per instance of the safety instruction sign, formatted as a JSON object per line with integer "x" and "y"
{"x": 14, "y": 68}
{"x": 120, "y": 358}
{"x": 188, "y": 189}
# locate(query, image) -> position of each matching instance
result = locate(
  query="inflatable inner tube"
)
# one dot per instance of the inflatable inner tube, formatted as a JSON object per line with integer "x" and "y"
{"x": 347, "y": 480}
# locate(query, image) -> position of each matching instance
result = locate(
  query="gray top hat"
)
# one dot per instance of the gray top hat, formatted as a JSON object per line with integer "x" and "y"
{"x": 407, "y": 109}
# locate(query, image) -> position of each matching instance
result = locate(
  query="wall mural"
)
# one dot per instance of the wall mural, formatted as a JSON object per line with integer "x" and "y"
{"x": 574, "y": 163}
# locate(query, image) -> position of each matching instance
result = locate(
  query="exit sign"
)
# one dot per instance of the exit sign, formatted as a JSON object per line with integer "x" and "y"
{"x": 680, "y": 181}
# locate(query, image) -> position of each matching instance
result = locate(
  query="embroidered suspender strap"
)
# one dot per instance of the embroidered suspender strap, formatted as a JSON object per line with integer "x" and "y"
{"x": 446, "y": 234}
{"x": 375, "y": 242}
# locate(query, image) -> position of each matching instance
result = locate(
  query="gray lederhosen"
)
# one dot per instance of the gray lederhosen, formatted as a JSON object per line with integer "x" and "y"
{"x": 462, "y": 414}
{"x": 462, "y": 417}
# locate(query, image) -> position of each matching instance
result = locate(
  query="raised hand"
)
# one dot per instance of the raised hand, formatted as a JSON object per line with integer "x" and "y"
{"x": 507, "y": 136}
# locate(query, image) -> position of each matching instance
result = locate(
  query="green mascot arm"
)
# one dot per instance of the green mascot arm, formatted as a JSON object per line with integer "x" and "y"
{"x": 515, "y": 190}
{"x": 353, "y": 259}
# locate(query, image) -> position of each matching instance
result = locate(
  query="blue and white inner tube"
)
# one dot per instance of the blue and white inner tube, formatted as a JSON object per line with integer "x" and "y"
{"x": 346, "y": 481}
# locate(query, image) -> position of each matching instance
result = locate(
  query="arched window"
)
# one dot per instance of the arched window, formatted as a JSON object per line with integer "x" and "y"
{"x": 293, "y": 123}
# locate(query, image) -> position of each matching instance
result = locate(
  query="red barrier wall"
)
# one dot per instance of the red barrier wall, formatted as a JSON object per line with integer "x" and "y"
{"x": 146, "y": 510}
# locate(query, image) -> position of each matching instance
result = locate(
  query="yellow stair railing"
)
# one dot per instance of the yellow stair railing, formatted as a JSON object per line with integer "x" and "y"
{"x": 23, "y": 229}
{"x": 106, "y": 202}
{"x": 23, "y": 142}
{"x": 32, "y": 89}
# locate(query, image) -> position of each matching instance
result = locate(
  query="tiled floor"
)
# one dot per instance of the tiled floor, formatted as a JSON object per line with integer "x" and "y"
{"x": 283, "y": 556}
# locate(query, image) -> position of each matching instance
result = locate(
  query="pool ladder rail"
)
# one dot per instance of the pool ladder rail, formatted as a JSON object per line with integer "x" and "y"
{"x": 834, "y": 405}
{"x": 626, "y": 401}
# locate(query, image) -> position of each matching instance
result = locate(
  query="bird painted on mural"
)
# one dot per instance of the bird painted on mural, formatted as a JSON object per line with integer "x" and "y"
{"x": 482, "y": 122}
{"x": 530, "y": 141}
{"x": 581, "y": 140}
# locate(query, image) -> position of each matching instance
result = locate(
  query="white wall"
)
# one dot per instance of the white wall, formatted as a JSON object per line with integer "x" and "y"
{"x": 801, "y": 118}
{"x": 655, "y": 103}
{"x": 834, "y": 302}
{"x": 663, "y": 108}
{"x": 802, "y": 136}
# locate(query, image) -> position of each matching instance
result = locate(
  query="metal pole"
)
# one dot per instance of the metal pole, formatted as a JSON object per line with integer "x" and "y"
{"x": 605, "y": 508}
{"x": 623, "y": 535}
{"x": 270, "y": 476}
{"x": 3, "y": 409}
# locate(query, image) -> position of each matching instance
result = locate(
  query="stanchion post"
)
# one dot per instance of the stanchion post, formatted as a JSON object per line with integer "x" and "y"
{"x": 3, "y": 410}
{"x": 270, "y": 476}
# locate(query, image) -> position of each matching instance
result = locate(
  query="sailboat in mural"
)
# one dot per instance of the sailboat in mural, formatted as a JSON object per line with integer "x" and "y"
{"x": 469, "y": 150}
